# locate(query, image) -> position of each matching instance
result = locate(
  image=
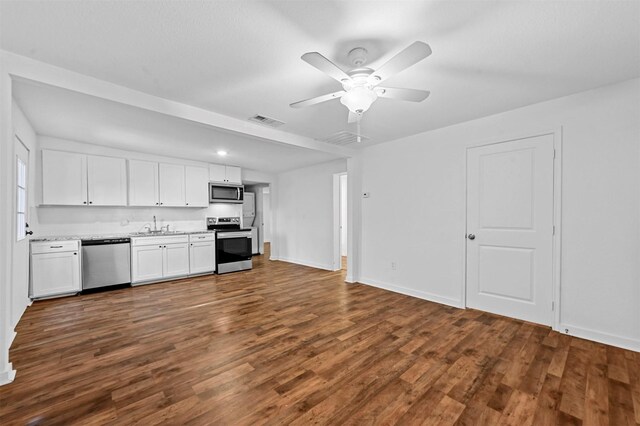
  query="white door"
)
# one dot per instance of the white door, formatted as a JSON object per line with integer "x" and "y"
{"x": 143, "y": 183}
{"x": 510, "y": 228}
{"x": 233, "y": 175}
{"x": 176, "y": 260}
{"x": 202, "y": 257}
{"x": 55, "y": 273}
{"x": 64, "y": 178}
{"x": 107, "y": 181}
{"x": 172, "y": 185}
{"x": 146, "y": 263}
{"x": 20, "y": 285}
{"x": 196, "y": 186}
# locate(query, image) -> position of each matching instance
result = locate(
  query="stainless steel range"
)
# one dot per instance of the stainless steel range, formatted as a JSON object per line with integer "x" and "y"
{"x": 233, "y": 244}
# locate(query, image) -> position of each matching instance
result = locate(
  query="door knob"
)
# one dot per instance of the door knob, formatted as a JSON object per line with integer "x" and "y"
{"x": 471, "y": 236}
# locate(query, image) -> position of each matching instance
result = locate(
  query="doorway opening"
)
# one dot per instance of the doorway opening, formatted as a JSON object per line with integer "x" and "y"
{"x": 340, "y": 215}
{"x": 256, "y": 215}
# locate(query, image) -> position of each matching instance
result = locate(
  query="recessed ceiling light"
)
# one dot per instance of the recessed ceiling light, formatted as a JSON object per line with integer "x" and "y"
{"x": 222, "y": 153}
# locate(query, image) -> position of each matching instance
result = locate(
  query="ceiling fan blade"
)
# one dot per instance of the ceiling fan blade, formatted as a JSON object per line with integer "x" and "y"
{"x": 403, "y": 60}
{"x": 411, "y": 95}
{"x": 326, "y": 66}
{"x": 317, "y": 99}
{"x": 353, "y": 117}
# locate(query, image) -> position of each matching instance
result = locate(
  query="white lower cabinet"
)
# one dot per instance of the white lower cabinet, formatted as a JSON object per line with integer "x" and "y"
{"x": 55, "y": 268}
{"x": 165, "y": 257}
{"x": 202, "y": 253}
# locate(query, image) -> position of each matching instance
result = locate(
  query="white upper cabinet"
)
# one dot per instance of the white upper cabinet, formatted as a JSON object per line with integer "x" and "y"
{"x": 217, "y": 173}
{"x": 234, "y": 175}
{"x": 72, "y": 179}
{"x": 196, "y": 186}
{"x": 225, "y": 174}
{"x": 143, "y": 183}
{"x": 172, "y": 185}
{"x": 77, "y": 179}
{"x": 64, "y": 178}
{"x": 107, "y": 181}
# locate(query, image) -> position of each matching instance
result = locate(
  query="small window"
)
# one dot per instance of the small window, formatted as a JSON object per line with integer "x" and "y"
{"x": 21, "y": 200}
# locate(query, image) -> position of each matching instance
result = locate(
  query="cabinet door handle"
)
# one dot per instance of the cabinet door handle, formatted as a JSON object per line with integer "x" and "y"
{"x": 55, "y": 246}
{"x": 159, "y": 246}
{"x": 157, "y": 204}
{"x": 84, "y": 202}
{"x": 90, "y": 202}
{"x": 75, "y": 254}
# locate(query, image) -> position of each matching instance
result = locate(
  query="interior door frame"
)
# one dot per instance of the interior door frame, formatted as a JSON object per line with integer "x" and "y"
{"x": 557, "y": 213}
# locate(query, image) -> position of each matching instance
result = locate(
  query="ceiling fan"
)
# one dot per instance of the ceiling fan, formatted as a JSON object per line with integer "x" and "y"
{"x": 361, "y": 84}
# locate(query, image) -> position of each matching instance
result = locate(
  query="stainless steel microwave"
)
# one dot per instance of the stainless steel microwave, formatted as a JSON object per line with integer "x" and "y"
{"x": 223, "y": 193}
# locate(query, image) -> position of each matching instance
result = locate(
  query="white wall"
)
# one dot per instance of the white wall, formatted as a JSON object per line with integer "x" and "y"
{"x": 59, "y": 220}
{"x": 420, "y": 181}
{"x": 305, "y": 215}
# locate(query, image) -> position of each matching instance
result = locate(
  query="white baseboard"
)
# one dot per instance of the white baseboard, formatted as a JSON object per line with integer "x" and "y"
{"x": 349, "y": 279}
{"x": 600, "y": 337}
{"x": 7, "y": 375}
{"x": 327, "y": 267}
{"x": 411, "y": 292}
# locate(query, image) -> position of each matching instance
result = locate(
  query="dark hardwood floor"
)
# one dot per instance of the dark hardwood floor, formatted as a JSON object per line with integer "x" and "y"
{"x": 289, "y": 344}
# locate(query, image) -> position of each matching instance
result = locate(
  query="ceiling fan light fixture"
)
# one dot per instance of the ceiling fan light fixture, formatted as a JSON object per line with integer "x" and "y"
{"x": 358, "y": 99}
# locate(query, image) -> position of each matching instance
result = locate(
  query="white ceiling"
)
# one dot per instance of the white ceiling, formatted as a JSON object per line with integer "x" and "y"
{"x": 241, "y": 58}
{"x": 71, "y": 115}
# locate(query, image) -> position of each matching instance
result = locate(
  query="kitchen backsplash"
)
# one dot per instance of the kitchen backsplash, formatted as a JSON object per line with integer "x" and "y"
{"x": 50, "y": 221}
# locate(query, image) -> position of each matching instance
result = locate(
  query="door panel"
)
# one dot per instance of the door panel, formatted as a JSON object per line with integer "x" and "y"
{"x": 143, "y": 183}
{"x": 233, "y": 175}
{"x": 146, "y": 263}
{"x": 197, "y": 186}
{"x": 172, "y": 189}
{"x": 64, "y": 178}
{"x": 202, "y": 257}
{"x": 510, "y": 213}
{"x": 55, "y": 273}
{"x": 107, "y": 181}
{"x": 217, "y": 173}
{"x": 176, "y": 260}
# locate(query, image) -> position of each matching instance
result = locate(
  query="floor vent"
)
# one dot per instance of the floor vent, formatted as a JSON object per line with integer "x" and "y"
{"x": 343, "y": 138}
{"x": 271, "y": 122}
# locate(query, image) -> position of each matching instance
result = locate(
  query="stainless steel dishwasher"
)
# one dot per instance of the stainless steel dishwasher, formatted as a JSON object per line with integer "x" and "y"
{"x": 106, "y": 262}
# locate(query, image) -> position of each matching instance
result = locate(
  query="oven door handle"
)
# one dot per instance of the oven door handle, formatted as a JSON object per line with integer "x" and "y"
{"x": 227, "y": 235}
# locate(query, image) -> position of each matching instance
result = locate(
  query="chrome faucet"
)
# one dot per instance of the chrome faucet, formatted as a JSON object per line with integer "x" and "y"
{"x": 155, "y": 224}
